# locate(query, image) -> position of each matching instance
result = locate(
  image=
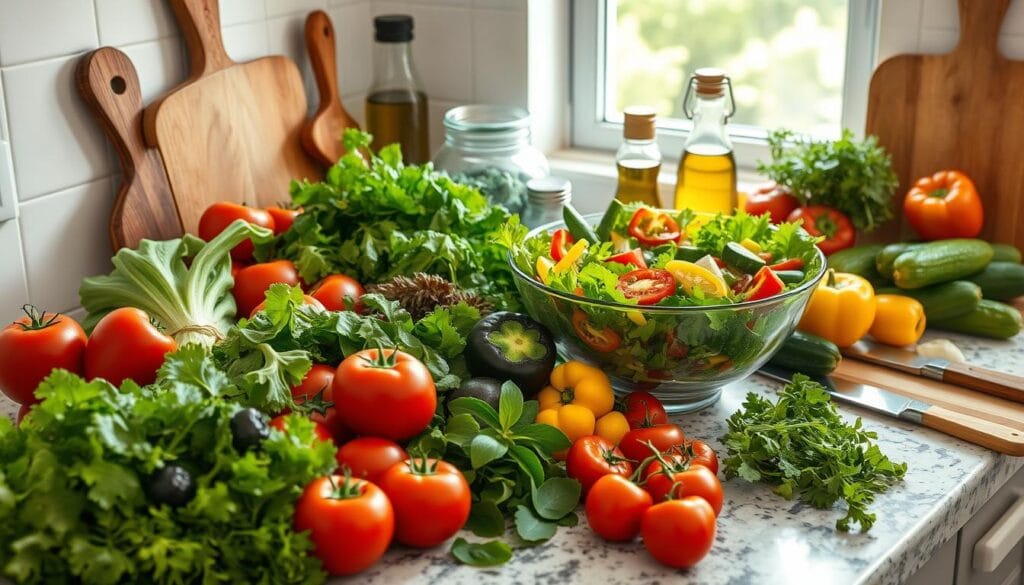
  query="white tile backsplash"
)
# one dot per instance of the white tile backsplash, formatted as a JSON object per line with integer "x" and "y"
{"x": 286, "y": 36}
{"x": 501, "y": 4}
{"x": 12, "y": 272}
{"x": 283, "y": 7}
{"x": 238, "y": 11}
{"x": 499, "y": 57}
{"x": 4, "y": 135}
{"x": 245, "y": 42}
{"x": 159, "y": 65}
{"x": 435, "y": 123}
{"x": 940, "y": 14}
{"x": 353, "y": 37}
{"x": 355, "y": 105}
{"x": 124, "y": 22}
{"x": 40, "y": 29}
{"x": 442, "y": 50}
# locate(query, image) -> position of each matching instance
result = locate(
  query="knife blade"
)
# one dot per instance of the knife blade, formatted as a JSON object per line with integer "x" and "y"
{"x": 995, "y": 383}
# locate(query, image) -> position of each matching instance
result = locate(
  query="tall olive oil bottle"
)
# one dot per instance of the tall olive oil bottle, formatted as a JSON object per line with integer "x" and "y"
{"x": 707, "y": 169}
{"x": 639, "y": 158}
{"x": 396, "y": 107}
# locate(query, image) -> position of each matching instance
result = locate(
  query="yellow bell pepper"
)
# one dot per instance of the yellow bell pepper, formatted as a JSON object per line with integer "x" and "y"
{"x": 841, "y": 309}
{"x": 899, "y": 320}
{"x": 579, "y": 402}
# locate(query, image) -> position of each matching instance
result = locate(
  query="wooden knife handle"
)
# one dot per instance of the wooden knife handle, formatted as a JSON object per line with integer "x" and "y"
{"x": 984, "y": 380}
{"x": 988, "y": 434}
{"x": 200, "y": 25}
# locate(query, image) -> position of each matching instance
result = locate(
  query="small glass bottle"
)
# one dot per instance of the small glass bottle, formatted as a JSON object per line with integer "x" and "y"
{"x": 639, "y": 158}
{"x": 545, "y": 198}
{"x": 707, "y": 170}
{"x": 396, "y": 107}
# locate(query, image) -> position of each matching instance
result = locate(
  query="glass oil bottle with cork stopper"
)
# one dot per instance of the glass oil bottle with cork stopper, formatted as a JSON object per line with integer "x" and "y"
{"x": 707, "y": 170}
{"x": 396, "y": 107}
{"x": 639, "y": 158}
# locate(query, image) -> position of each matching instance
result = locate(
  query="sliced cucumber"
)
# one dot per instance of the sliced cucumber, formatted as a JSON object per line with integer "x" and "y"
{"x": 742, "y": 259}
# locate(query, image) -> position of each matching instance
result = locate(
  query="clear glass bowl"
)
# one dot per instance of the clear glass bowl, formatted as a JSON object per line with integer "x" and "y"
{"x": 682, "y": 355}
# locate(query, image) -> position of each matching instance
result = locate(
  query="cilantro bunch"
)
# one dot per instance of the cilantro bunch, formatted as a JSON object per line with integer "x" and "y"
{"x": 801, "y": 445}
{"x": 73, "y": 477}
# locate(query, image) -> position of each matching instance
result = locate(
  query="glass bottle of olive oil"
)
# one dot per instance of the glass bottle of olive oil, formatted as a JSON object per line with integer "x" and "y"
{"x": 396, "y": 107}
{"x": 707, "y": 170}
{"x": 639, "y": 158}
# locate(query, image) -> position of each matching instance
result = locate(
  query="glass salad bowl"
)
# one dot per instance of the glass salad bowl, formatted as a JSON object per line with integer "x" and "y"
{"x": 683, "y": 355}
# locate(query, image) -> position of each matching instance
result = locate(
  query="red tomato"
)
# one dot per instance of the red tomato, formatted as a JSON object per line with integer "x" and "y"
{"x": 664, "y": 437}
{"x": 653, "y": 228}
{"x": 34, "y": 345}
{"x": 821, "y": 220}
{"x": 283, "y": 218}
{"x": 696, "y": 481}
{"x": 602, "y": 340}
{"x": 642, "y": 409}
{"x": 320, "y": 380}
{"x": 676, "y": 349}
{"x": 561, "y": 240}
{"x": 766, "y": 284}
{"x": 647, "y": 285}
{"x": 252, "y": 282}
{"x": 790, "y": 264}
{"x": 431, "y": 500}
{"x": 593, "y": 457}
{"x": 320, "y": 430}
{"x": 386, "y": 394}
{"x": 220, "y": 215}
{"x": 370, "y": 457}
{"x": 615, "y": 508}
{"x": 678, "y": 533}
{"x": 350, "y": 522}
{"x": 634, "y": 257}
{"x": 333, "y": 291}
{"x": 236, "y": 266}
{"x": 306, "y": 300}
{"x": 772, "y": 199}
{"x": 125, "y": 345}
{"x": 703, "y": 454}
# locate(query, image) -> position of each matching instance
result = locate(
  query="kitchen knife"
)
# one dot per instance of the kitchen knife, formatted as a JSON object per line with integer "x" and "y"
{"x": 955, "y": 424}
{"x": 983, "y": 380}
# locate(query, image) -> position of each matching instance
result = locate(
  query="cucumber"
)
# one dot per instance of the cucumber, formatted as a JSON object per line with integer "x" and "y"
{"x": 790, "y": 276}
{"x": 859, "y": 260}
{"x": 689, "y": 253}
{"x": 578, "y": 227}
{"x": 742, "y": 259}
{"x": 887, "y": 257}
{"x": 991, "y": 319}
{"x": 604, "y": 228}
{"x": 1005, "y": 253}
{"x": 940, "y": 261}
{"x": 808, "y": 354}
{"x": 1001, "y": 281}
{"x": 942, "y": 301}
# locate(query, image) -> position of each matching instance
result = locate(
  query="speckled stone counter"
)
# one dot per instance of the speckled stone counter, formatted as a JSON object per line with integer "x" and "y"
{"x": 763, "y": 538}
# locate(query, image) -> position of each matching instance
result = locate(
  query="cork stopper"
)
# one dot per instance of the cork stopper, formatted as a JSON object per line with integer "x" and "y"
{"x": 639, "y": 123}
{"x": 710, "y": 82}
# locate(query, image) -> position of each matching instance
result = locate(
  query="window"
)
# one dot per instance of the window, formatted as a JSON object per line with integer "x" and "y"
{"x": 797, "y": 64}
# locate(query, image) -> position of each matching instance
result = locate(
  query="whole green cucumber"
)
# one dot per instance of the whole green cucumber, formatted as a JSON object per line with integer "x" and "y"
{"x": 887, "y": 257}
{"x": 942, "y": 301}
{"x": 858, "y": 260}
{"x": 940, "y": 261}
{"x": 578, "y": 226}
{"x": 1001, "y": 281}
{"x": 808, "y": 354}
{"x": 611, "y": 215}
{"x": 991, "y": 319}
{"x": 1005, "y": 253}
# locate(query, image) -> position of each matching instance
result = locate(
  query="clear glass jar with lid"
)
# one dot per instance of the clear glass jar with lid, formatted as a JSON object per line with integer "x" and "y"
{"x": 488, "y": 147}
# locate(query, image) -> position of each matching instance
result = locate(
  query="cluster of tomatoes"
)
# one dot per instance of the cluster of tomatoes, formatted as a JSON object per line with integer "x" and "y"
{"x": 655, "y": 483}
{"x": 382, "y": 494}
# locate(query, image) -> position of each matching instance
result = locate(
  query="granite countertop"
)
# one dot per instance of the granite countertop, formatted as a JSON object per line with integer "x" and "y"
{"x": 763, "y": 538}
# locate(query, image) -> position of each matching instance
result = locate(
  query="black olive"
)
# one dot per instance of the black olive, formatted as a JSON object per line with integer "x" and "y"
{"x": 248, "y": 429}
{"x": 486, "y": 389}
{"x": 172, "y": 485}
{"x": 511, "y": 346}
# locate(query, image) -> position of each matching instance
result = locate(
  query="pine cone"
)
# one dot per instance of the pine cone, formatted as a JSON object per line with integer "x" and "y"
{"x": 422, "y": 293}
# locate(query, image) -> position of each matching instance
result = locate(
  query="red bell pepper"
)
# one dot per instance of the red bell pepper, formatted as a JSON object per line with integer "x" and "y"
{"x": 765, "y": 284}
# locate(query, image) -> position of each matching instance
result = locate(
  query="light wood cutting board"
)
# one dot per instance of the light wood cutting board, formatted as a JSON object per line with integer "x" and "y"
{"x": 962, "y": 110}
{"x": 231, "y": 131}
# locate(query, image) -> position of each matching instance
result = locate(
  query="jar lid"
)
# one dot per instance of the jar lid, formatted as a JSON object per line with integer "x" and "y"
{"x": 481, "y": 117}
{"x": 638, "y": 123}
{"x": 550, "y": 187}
{"x": 710, "y": 82}
{"x": 393, "y": 28}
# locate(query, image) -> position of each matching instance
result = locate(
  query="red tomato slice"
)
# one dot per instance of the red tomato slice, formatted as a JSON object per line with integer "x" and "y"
{"x": 602, "y": 340}
{"x": 647, "y": 285}
{"x": 766, "y": 284}
{"x": 634, "y": 257}
{"x": 561, "y": 240}
{"x": 791, "y": 264}
{"x": 653, "y": 228}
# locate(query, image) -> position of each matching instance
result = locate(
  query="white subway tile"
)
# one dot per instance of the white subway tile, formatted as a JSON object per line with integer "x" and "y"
{"x": 937, "y": 41}
{"x": 245, "y": 42}
{"x": 388, "y": 7}
{"x": 501, "y": 4}
{"x": 4, "y": 135}
{"x": 355, "y": 105}
{"x": 353, "y": 35}
{"x": 13, "y": 293}
{"x": 499, "y": 57}
{"x": 436, "y": 122}
{"x": 940, "y": 14}
{"x": 282, "y": 7}
{"x": 442, "y": 51}
{"x": 160, "y": 66}
{"x": 456, "y": 3}
{"x": 900, "y": 26}
{"x": 333, "y": 3}
{"x": 55, "y": 141}
{"x": 40, "y": 29}
{"x": 286, "y": 36}
{"x": 1012, "y": 46}
{"x": 66, "y": 229}
{"x": 123, "y": 22}
{"x": 1013, "y": 24}
{"x": 234, "y": 12}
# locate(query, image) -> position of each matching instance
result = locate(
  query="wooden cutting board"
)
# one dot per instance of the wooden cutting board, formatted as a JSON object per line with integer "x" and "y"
{"x": 321, "y": 136}
{"x": 960, "y": 110}
{"x": 144, "y": 207}
{"x": 230, "y": 132}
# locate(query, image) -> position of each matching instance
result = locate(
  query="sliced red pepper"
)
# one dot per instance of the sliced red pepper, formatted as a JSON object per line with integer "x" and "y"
{"x": 634, "y": 257}
{"x": 561, "y": 241}
{"x": 766, "y": 284}
{"x": 602, "y": 340}
{"x": 791, "y": 264}
{"x": 653, "y": 228}
{"x": 647, "y": 286}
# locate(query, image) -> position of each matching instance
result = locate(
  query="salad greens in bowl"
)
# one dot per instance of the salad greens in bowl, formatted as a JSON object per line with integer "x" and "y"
{"x": 672, "y": 302}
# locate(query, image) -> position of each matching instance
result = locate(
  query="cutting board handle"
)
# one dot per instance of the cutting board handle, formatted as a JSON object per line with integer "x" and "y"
{"x": 200, "y": 23}
{"x": 979, "y": 28}
{"x": 320, "y": 44}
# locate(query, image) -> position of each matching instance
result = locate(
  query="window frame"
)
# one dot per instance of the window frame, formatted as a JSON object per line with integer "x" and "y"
{"x": 588, "y": 70}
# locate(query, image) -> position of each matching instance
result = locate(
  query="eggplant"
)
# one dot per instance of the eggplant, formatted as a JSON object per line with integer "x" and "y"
{"x": 172, "y": 485}
{"x": 486, "y": 389}
{"x": 512, "y": 346}
{"x": 248, "y": 429}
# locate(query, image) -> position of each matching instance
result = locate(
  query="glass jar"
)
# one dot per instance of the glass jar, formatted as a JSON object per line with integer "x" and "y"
{"x": 546, "y": 197}
{"x": 489, "y": 148}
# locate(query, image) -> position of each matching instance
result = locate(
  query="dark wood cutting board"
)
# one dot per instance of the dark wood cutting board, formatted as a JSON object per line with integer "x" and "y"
{"x": 321, "y": 136}
{"x": 962, "y": 110}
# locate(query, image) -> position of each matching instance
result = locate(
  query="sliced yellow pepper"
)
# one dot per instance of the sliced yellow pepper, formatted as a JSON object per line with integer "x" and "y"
{"x": 899, "y": 320}
{"x": 571, "y": 256}
{"x": 636, "y": 317}
{"x": 579, "y": 402}
{"x": 751, "y": 245}
{"x": 691, "y": 277}
{"x": 544, "y": 266}
{"x": 841, "y": 309}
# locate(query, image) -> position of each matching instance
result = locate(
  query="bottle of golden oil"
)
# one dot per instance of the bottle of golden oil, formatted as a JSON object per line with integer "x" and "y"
{"x": 639, "y": 158}
{"x": 396, "y": 107}
{"x": 707, "y": 170}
